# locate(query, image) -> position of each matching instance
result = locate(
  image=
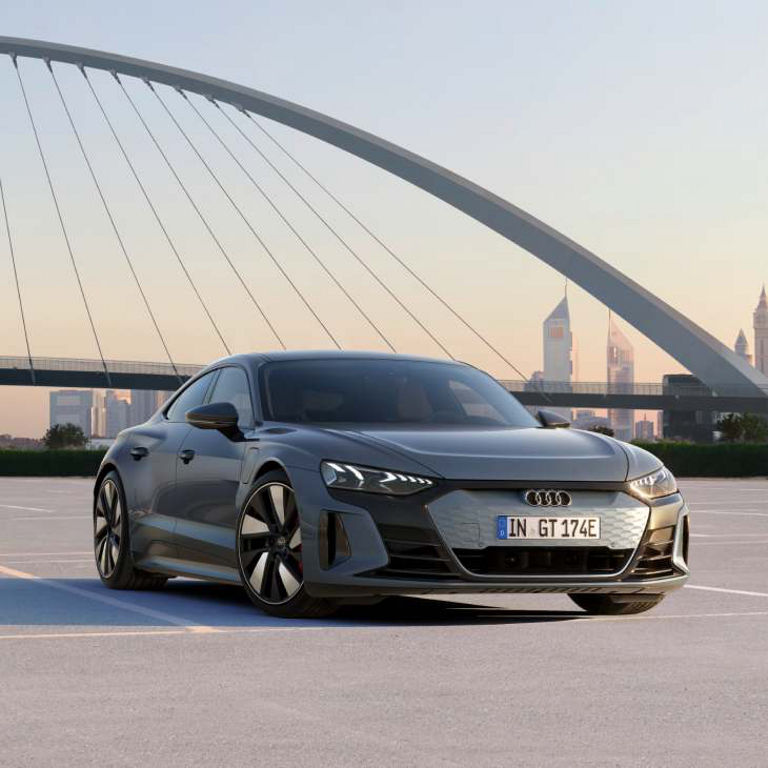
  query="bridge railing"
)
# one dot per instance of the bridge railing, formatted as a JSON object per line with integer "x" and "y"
{"x": 686, "y": 389}
{"x": 95, "y": 366}
{"x": 166, "y": 372}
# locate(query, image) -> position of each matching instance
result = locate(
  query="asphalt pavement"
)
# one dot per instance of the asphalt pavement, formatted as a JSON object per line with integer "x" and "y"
{"x": 194, "y": 675}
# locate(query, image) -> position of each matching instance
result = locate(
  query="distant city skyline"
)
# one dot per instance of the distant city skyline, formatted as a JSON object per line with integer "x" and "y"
{"x": 103, "y": 413}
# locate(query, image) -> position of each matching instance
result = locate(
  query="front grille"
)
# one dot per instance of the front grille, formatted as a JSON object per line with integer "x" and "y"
{"x": 413, "y": 553}
{"x": 654, "y": 556}
{"x": 544, "y": 561}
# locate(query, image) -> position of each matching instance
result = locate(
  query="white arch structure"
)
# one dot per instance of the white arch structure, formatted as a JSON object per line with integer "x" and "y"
{"x": 692, "y": 346}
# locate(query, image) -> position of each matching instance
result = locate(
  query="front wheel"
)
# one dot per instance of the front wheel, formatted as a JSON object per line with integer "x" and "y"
{"x": 111, "y": 540}
{"x": 269, "y": 551}
{"x": 615, "y": 605}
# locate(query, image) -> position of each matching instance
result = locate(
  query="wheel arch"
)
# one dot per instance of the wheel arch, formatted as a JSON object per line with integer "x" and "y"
{"x": 104, "y": 470}
{"x": 269, "y": 465}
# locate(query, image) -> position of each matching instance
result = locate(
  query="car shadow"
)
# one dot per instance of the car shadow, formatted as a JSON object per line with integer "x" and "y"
{"x": 86, "y": 602}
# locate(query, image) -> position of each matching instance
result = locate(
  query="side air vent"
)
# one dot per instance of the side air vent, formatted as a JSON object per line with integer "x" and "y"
{"x": 654, "y": 558}
{"x": 333, "y": 543}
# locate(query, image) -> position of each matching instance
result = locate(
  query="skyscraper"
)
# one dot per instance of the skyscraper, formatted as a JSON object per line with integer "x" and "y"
{"x": 116, "y": 412}
{"x": 72, "y": 406}
{"x": 144, "y": 404}
{"x": 558, "y": 348}
{"x": 621, "y": 372}
{"x": 760, "y": 324}
{"x": 741, "y": 347}
{"x": 98, "y": 414}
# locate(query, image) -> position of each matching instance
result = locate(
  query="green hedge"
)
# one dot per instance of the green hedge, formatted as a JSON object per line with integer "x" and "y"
{"x": 684, "y": 459}
{"x": 50, "y": 463}
{"x": 713, "y": 460}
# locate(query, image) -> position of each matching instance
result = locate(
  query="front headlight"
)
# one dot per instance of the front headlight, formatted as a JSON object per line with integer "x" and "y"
{"x": 659, "y": 483}
{"x": 350, "y": 477}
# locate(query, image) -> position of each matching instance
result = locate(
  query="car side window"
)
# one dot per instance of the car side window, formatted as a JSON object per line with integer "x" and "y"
{"x": 232, "y": 387}
{"x": 190, "y": 398}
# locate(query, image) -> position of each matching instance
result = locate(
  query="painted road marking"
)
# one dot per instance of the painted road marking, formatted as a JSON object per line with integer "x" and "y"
{"x": 106, "y": 600}
{"x": 43, "y": 554}
{"x": 71, "y": 561}
{"x": 740, "y": 542}
{"x": 193, "y": 629}
{"x": 724, "y": 512}
{"x": 709, "y": 503}
{"x": 727, "y": 591}
{"x": 46, "y": 518}
{"x": 27, "y": 509}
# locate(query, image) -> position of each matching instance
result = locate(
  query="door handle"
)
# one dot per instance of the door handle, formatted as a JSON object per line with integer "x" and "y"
{"x": 139, "y": 452}
{"x": 187, "y": 455}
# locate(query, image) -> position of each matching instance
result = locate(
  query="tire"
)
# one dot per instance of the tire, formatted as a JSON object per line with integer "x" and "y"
{"x": 269, "y": 551}
{"x": 607, "y": 605}
{"x": 111, "y": 542}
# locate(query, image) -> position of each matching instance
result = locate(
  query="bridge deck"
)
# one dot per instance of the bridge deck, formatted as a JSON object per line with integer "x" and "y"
{"x": 126, "y": 374}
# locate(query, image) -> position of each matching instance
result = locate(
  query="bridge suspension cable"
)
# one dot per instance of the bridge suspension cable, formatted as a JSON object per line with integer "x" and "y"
{"x": 336, "y": 234}
{"x": 201, "y": 216}
{"x": 111, "y": 218}
{"x": 60, "y": 216}
{"x": 16, "y": 280}
{"x": 381, "y": 243}
{"x": 287, "y": 222}
{"x": 152, "y": 207}
{"x": 328, "y": 226}
{"x": 237, "y": 208}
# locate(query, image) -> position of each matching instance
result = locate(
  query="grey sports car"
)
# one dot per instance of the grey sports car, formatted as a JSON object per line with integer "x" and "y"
{"x": 316, "y": 479}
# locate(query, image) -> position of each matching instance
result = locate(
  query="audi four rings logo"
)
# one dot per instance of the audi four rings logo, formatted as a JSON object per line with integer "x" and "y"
{"x": 548, "y": 498}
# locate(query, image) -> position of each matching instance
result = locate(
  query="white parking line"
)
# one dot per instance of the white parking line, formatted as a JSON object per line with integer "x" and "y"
{"x": 726, "y": 543}
{"x": 710, "y": 503}
{"x": 73, "y": 561}
{"x": 26, "y": 509}
{"x": 42, "y": 554}
{"x": 727, "y": 591}
{"x": 105, "y": 599}
{"x": 468, "y": 624}
{"x": 727, "y": 512}
{"x": 46, "y": 518}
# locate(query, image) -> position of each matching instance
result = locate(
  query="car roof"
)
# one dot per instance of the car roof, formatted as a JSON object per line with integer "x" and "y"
{"x": 257, "y": 358}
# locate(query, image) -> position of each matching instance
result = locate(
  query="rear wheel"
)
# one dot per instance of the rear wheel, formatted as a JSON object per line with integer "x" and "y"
{"x": 110, "y": 540}
{"x": 615, "y": 605}
{"x": 269, "y": 551}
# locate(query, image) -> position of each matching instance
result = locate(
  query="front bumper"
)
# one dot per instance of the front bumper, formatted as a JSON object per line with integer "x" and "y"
{"x": 443, "y": 541}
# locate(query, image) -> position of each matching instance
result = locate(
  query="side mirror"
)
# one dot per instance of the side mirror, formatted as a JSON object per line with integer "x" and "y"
{"x": 221, "y": 416}
{"x": 552, "y": 420}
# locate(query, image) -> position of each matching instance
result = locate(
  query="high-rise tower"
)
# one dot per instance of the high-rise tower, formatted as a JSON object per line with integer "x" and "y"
{"x": 760, "y": 324}
{"x": 741, "y": 347}
{"x": 558, "y": 348}
{"x": 621, "y": 376}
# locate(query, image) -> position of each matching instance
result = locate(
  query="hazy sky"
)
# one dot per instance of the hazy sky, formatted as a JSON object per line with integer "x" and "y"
{"x": 636, "y": 128}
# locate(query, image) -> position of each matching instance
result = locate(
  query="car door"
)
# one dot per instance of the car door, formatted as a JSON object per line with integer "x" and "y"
{"x": 150, "y": 479}
{"x": 208, "y": 477}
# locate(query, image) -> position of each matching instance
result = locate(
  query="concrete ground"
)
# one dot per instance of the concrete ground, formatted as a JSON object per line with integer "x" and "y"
{"x": 194, "y": 675}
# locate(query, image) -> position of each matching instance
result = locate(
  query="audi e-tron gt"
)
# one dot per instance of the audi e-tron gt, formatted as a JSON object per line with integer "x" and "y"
{"x": 316, "y": 479}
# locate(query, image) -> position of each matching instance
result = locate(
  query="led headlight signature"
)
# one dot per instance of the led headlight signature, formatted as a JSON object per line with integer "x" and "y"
{"x": 659, "y": 483}
{"x": 353, "y": 478}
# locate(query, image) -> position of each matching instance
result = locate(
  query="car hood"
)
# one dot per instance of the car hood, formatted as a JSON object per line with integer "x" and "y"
{"x": 524, "y": 454}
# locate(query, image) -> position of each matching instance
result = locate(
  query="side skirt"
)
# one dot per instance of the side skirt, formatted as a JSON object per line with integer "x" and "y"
{"x": 171, "y": 566}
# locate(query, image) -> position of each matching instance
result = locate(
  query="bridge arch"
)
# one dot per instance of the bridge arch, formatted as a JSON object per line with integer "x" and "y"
{"x": 692, "y": 346}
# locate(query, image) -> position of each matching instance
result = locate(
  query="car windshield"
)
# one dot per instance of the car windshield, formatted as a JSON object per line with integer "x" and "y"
{"x": 397, "y": 392}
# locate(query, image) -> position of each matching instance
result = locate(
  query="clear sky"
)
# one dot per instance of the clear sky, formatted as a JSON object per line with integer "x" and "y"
{"x": 636, "y": 128}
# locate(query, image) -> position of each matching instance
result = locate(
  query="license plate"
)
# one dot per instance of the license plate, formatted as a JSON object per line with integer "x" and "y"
{"x": 547, "y": 527}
